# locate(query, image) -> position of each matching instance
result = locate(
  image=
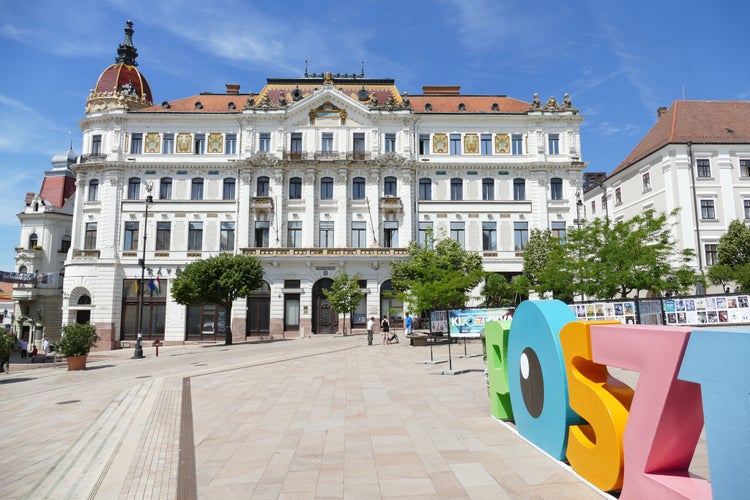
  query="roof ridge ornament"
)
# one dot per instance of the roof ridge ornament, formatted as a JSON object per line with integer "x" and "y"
{"x": 126, "y": 52}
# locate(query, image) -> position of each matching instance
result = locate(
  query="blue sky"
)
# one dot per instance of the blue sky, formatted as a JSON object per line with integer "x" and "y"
{"x": 619, "y": 61}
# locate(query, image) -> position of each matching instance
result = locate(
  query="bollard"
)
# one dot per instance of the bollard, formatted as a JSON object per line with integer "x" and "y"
{"x": 157, "y": 344}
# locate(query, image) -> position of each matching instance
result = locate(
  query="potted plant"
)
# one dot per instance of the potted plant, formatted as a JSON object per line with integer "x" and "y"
{"x": 76, "y": 343}
{"x": 6, "y": 346}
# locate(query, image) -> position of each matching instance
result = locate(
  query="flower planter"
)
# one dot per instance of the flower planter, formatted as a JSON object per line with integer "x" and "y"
{"x": 76, "y": 363}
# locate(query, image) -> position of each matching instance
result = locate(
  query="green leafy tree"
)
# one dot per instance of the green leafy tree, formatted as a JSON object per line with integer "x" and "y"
{"x": 6, "y": 346}
{"x": 218, "y": 280}
{"x": 344, "y": 294}
{"x": 497, "y": 291}
{"x": 721, "y": 274}
{"x": 437, "y": 278}
{"x": 547, "y": 266}
{"x": 734, "y": 245}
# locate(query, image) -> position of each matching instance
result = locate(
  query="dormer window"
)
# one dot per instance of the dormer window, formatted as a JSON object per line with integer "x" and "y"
{"x": 428, "y": 107}
{"x": 461, "y": 106}
{"x": 495, "y": 106}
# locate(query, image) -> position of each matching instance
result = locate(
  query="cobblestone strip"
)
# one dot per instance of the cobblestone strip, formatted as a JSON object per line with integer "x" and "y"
{"x": 187, "y": 487}
{"x": 153, "y": 472}
{"x": 79, "y": 471}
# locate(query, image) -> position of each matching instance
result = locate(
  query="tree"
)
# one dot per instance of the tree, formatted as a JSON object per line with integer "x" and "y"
{"x": 721, "y": 274}
{"x": 218, "y": 280}
{"x": 344, "y": 294}
{"x": 438, "y": 277}
{"x": 734, "y": 245}
{"x": 547, "y": 266}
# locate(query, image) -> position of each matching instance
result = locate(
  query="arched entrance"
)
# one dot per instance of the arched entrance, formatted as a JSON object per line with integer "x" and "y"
{"x": 259, "y": 311}
{"x": 325, "y": 319}
{"x": 391, "y": 306}
{"x": 83, "y": 315}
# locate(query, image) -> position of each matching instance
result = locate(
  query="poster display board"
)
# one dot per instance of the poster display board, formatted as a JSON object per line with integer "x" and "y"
{"x": 439, "y": 322}
{"x": 707, "y": 310}
{"x": 623, "y": 311}
{"x": 470, "y": 322}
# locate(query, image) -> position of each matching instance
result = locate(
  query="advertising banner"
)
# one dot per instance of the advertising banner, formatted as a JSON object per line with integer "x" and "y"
{"x": 470, "y": 322}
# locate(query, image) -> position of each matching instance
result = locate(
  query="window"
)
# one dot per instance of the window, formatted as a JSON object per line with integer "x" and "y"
{"x": 520, "y": 235}
{"x": 196, "y": 189}
{"x": 516, "y": 143}
{"x": 746, "y": 206}
{"x": 712, "y": 254}
{"x": 704, "y": 168}
{"x": 89, "y": 242}
{"x": 358, "y": 188}
{"x": 264, "y": 144}
{"x": 519, "y": 189}
{"x": 65, "y": 243}
{"x": 294, "y": 234}
{"x": 96, "y": 144}
{"x": 325, "y": 237}
{"x": 93, "y": 190}
{"x": 230, "y": 144}
{"x": 556, "y": 188}
{"x": 424, "y": 237}
{"x": 489, "y": 236}
{"x": 457, "y": 189}
{"x": 553, "y": 144}
{"x": 326, "y": 188}
{"x": 593, "y": 206}
{"x": 707, "y": 209}
{"x": 200, "y": 144}
{"x": 163, "y": 235}
{"x": 390, "y": 143}
{"x": 229, "y": 188}
{"x": 262, "y": 186}
{"x": 424, "y": 144}
{"x": 359, "y": 235}
{"x": 195, "y": 236}
{"x": 226, "y": 237}
{"x": 167, "y": 146}
{"x": 425, "y": 188}
{"x": 295, "y": 188}
{"x": 390, "y": 234}
{"x": 745, "y": 168}
{"x": 134, "y": 188}
{"x": 261, "y": 233}
{"x": 390, "y": 186}
{"x": 136, "y": 144}
{"x": 558, "y": 230}
{"x": 291, "y": 311}
{"x": 327, "y": 145}
{"x": 646, "y": 179}
{"x": 455, "y": 144}
{"x": 165, "y": 188}
{"x": 457, "y": 232}
{"x": 618, "y": 196}
{"x": 33, "y": 240}
{"x": 488, "y": 189}
{"x": 486, "y": 144}
{"x": 131, "y": 236}
{"x": 295, "y": 146}
{"x": 359, "y": 146}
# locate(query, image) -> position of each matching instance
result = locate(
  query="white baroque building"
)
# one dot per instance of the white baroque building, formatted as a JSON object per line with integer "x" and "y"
{"x": 313, "y": 175}
{"x": 696, "y": 158}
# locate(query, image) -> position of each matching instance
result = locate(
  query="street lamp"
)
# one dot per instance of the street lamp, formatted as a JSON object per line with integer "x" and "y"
{"x": 138, "y": 353}
{"x": 579, "y": 208}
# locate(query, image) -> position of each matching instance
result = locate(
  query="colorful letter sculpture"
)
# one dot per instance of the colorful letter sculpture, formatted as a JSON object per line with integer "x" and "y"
{"x": 666, "y": 416}
{"x": 496, "y": 337}
{"x": 536, "y": 375}
{"x": 717, "y": 360}
{"x": 595, "y": 448}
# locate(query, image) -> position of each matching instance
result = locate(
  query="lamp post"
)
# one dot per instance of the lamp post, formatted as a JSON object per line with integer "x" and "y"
{"x": 579, "y": 215}
{"x": 138, "y": 353}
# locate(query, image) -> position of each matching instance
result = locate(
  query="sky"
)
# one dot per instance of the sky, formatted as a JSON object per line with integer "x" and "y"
{"x": 618, "y": 61}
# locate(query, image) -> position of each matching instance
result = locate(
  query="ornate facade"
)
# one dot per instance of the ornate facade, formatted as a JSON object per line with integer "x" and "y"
{"x": 313, "y": 175}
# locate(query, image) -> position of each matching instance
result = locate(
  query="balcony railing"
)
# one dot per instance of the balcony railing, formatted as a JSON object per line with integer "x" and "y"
{"x": 391, "y": 204}
{"x": 358, "y": 155}
{"x": 262, "y": 204}
{"x": 295, "y": 155}
{"x": 325, "y": 252}
{"x": 93, "y": 157}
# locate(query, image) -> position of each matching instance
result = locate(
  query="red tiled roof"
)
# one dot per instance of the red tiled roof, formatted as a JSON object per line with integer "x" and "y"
{"x": 700, "y": 122}
{"x": 472, "y": 104}
{"x": 57, "y": 189}
{"x": 210, "y": 103}
{"x": 115, "y": 76}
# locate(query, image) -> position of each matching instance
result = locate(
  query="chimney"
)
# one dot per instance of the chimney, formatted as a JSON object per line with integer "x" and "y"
{"x": 233, "y": 88}
{"x": 660, "y": 111}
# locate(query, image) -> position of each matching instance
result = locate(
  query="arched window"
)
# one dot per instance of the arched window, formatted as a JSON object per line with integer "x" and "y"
{"x": 390, "y": 186}
{"x": 425, "y": 188}
{"x": 33, "y": 240}
{"x": 196, "y": 189}
{"x": 519, "y": 189}
{"x": 295, "y": 188}
{"x": 326, "y": 188}
{"x": 262, "y": 186}
{"x": 84, "y": 300}
{"x": 556, "y": 188}
{"x": 65, "y": 243}
{"x": 358, "y": 188}
{"x": 134, "y": 188}
{"x": 165, "y": 188}
{"x": 457, "y": 189}
{"x": 488, "y": 189}
{"x": 93, "y": 190}
{"x": 229, "y": 188}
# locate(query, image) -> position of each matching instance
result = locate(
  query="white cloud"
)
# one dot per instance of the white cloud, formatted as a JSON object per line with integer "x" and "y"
{"x": 608, "y": 129}
{"x": 22, "y": 129}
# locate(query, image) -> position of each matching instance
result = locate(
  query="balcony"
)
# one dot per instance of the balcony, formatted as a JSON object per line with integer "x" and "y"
{"x": 85, "y": 254}
{"x": 391, "y": 204}
{"x": 325, "y": 252}
{"x": 93, "y": 157}
{"x": 358, "y": 155}
{"x": 262, "y": 204}
{"x": 328, "y": 155}
{"x": 295, "y": 155}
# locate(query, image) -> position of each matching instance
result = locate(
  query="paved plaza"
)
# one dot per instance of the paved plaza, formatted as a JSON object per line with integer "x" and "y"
{"x": 323, "y": 417}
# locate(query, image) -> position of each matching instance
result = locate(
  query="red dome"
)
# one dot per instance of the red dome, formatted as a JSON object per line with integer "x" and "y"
{"x": 123, "y": 77}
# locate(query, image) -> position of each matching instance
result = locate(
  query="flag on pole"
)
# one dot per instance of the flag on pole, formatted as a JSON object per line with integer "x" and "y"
{"x": 152, "y": 286}
{"x": 137, "y": 289}
{"x": 158, "y": 285}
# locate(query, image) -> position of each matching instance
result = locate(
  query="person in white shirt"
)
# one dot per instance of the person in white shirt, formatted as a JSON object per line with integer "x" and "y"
{"x": 370, "y": 326}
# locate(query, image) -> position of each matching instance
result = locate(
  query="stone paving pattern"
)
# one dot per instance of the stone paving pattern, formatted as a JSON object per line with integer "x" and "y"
{"x": 322, "y": 417}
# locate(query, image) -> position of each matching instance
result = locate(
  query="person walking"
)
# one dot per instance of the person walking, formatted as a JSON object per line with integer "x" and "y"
{"x": 385, "y": 327}
{"x": 23, "y": 345}
{"x": 409, "y": 325}
{"x": 370, "y": 327}
{"x": 45, "y": 346}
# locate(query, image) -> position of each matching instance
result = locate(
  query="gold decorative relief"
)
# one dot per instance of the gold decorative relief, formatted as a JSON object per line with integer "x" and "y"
{"x": 502, "y": 144}
{"x": 215, "y": 144}
{"x": 184, "y": 142}
{"x": 440, "y": 143}
{"x": 471, "y": 144}
{"x": 153, "y": 143}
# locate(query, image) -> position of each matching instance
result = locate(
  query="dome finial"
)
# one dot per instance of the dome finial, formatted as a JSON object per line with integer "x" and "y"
{"x": 126, "y": 52}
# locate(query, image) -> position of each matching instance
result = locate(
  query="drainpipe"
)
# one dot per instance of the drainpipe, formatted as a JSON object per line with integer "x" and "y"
{"x": 695, "y": 213}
